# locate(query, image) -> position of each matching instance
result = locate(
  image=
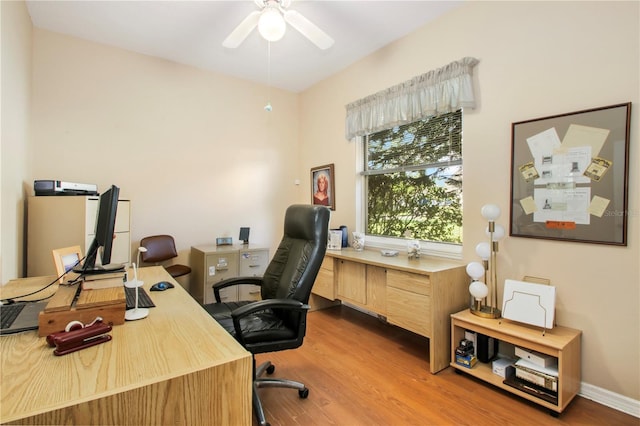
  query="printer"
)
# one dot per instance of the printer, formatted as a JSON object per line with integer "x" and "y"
{"x": 58, "y": 187}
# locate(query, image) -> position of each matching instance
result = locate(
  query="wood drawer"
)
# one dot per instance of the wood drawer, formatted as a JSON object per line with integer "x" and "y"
{"x": 324, "y": 285}
{"x": 414, "y": 283}
{"x": 409, "y": 310}
{"x": 327, "y": 264}
{"x": 351, "y": 282}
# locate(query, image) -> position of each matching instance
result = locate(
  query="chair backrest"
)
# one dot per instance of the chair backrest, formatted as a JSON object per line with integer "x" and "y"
{"x": 159, "y": 248}
{"x": 295, "y": 264}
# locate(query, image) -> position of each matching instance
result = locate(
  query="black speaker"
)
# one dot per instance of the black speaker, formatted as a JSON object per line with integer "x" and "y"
{"x": 487, "y": 347}
{"x": 244, "y": 235}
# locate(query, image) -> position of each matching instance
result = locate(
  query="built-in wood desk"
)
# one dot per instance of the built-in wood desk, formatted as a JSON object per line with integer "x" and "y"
{"x": 177, "y": 366}
{"x": 415, "y": 294}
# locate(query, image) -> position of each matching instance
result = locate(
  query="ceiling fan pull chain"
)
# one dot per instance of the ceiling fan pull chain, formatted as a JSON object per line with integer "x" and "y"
{"x": 268, "y": 106}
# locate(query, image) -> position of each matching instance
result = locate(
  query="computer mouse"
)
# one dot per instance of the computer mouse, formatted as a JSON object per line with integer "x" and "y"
{"x": 161, "y": 286}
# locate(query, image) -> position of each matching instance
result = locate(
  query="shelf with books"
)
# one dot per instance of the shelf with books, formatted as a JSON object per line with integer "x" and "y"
{"x": 561, "y": 343}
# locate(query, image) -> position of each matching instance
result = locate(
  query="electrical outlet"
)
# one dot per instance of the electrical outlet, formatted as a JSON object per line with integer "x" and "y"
{"x": 212, "y": 271}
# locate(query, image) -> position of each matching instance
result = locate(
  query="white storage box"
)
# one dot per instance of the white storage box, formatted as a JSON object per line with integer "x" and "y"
{"x": 500, "y": 365}
{"x": 537, "y": 358}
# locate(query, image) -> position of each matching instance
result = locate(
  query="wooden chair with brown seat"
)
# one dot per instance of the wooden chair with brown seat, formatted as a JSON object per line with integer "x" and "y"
{"x": 159, "y": 249}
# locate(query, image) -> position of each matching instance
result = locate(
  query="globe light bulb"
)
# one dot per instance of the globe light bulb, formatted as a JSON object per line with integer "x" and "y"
{"x": 483, "y": 250}
{"x": 490, "y": 212}
{"x": 498, "y": 232}
{"x": 478, "y": 290}
{"x": 271, "y": 24}
{"x": 475, "y": 270}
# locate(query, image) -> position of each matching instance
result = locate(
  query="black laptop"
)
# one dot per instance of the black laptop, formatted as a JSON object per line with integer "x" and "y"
{"x": 20, "y": 316}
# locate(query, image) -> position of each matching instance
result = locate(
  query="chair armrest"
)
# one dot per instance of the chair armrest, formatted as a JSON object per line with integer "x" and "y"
{"x": 229, "y": 282}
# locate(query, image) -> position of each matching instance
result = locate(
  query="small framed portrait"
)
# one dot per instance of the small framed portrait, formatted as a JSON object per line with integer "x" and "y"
{"x": 65, "y": 259}
{"x": 323, "y": 186}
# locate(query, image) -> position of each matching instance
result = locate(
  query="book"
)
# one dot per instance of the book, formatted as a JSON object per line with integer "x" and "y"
{"x": 103, "y": 283}
{"x": 547, "y": 380}
{"x": 104, "y": 276}
{"x": 549, "y": 371}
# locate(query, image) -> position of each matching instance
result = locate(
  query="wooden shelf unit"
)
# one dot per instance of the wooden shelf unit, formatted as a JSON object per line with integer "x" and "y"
{"x": 560, "y": 342}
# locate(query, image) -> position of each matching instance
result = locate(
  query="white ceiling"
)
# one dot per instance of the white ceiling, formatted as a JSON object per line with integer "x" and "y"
{"x": 191, "y": 33}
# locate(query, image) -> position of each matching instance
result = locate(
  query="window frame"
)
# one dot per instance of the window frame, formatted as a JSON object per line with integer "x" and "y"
{"x": 432, "y": 248}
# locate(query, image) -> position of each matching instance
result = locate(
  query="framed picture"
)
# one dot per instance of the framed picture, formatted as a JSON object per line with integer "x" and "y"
{"x": 323, "y": 186}
{"x": 569, "y": 176}
{"x": 65, "y": 259}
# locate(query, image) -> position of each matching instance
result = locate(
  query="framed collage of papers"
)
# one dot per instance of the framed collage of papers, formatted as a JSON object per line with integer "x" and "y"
{"x": 569, "y": 176}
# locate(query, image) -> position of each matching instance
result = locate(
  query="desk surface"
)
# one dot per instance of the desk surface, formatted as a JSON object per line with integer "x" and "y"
{"x": 423, "y": 265}
{"x": 167, "y": 359}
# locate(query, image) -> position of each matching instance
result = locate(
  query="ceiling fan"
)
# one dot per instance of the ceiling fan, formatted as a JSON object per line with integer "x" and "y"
{"x": 271, "y": 20}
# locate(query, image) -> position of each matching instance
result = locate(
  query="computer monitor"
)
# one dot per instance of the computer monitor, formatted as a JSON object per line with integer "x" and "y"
{"x": 103, "y": 240}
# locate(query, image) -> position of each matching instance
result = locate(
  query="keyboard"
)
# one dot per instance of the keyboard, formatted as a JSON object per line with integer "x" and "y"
{"x": 144, "y": 301}
{"x": 9, "y": 313}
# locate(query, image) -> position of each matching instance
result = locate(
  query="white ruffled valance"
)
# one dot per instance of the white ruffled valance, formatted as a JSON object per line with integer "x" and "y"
{"x": 439, "y": 91}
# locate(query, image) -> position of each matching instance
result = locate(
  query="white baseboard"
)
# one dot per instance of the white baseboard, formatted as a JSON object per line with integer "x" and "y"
{"x": 610, "y": 399}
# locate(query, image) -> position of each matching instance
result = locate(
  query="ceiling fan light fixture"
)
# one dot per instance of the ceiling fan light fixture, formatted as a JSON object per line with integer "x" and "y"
{"x": 271, "y": 24}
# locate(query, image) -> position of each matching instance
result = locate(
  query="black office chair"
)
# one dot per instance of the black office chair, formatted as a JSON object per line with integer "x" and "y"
{"x": 278, "y": 321}
{"x": 161, "y": 248}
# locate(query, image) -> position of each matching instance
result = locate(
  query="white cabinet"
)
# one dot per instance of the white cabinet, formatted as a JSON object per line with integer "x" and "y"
{"x": 55, "y": 222}
{"x": 211, "y": 264}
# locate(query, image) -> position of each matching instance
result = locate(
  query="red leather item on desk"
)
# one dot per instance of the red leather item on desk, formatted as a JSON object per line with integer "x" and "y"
{"x": 71, "y": 341}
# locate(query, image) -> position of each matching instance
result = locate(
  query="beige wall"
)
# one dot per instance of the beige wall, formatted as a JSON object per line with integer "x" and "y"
{"x": 194, "y": 151}
{"x": 199, "y": 157}
{"x": 14, "y": 139}
{"x": 536, "y": 59}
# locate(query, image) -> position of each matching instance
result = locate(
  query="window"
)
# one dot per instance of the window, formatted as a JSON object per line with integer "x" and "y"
{"x": 413, "y": 180}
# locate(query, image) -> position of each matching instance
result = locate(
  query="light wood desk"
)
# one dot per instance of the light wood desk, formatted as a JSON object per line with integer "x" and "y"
{"x": 415, "y": 294}
{"x": 177, "y": 366}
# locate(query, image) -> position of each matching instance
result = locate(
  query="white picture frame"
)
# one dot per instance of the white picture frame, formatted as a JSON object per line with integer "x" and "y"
{"x": 65, "y": 259}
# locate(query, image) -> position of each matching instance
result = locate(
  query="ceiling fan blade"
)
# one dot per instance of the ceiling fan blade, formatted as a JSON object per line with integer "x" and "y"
{"x": 308, "y": 29}
{"x": 242, "y": 31}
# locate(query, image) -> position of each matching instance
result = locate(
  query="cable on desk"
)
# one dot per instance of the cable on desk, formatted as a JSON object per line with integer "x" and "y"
{"x": 10, "y": 300}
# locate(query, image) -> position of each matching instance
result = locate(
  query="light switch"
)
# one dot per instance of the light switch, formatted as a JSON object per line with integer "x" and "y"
{"x": 212, "y": 271}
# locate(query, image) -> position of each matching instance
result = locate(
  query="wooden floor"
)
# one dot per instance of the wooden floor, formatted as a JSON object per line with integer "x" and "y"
{"x": 361, "y": 371}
